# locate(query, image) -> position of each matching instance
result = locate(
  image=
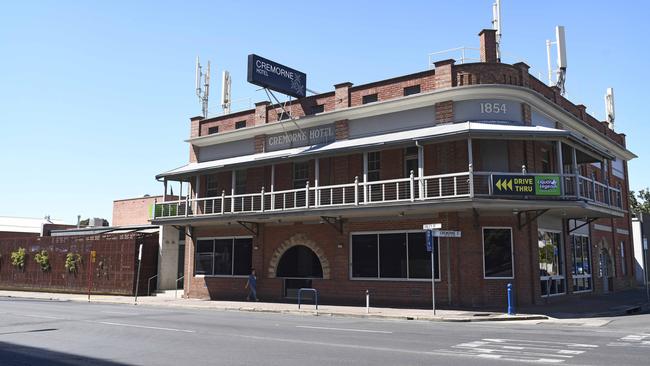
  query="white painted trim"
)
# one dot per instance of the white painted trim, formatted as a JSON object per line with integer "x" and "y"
{"x": 512, "y": 252}
{"x": 470, "y": 92}
{"x": 600, "y": 227}
{"x": 622, "y": 231}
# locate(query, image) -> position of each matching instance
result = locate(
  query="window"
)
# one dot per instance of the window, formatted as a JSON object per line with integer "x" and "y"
{"x": 623, "y": 264}
{"x": 223, "y": 256}
{"x": 546, "y": 161}
{"x": 283, "y": 115}
{"x": 300, "y": 174}
{"x": 240, "y": 181}
{"x": 393, "y": 255}
{"x": 411, "y": 161}
{"x": 240, "y": 124}
{"x": 374, "y": 166}
{"x": 551, "y": 264}
{"x": 410, "y": 90}
{"x": 211, "y": 186}
{"x": 370, "y": 98}
{"x": 581, "y": 266}
{"x": 318, "y": 108}
{"x": 497, "y": 253}
{"x": 213, "y": 130}
{"x": 618, "y": 169}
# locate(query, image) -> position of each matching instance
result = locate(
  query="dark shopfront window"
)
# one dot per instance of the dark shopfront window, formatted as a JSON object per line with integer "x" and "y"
{"x": 392, "y": 256}
{"x": 497, "y": 252}
{"x": 223, "y": 256}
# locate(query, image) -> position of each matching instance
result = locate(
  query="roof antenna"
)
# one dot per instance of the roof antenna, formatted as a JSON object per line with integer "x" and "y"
{"x": 204, "y": 93}
{"x": 496, "y": 25}
{"x": 561, "y": 60}
{"x": 225, "y": 92}
{"x": 609, "y": 108}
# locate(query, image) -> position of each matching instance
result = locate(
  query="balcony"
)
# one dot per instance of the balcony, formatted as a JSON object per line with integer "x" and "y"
{"x": 462, "y": 186}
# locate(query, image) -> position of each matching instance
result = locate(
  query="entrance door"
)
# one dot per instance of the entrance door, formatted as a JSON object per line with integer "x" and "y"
{"x": 298, "y": 266}
{"x": 605, "y": 268}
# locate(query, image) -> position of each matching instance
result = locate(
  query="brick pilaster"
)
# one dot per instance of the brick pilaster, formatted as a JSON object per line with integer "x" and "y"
{"x": 260, "y": 143}
{"x": 524, "y": 75}
{"x": 445, "y": 112}
{"x": 342, "y": 95}
{"x": 526, "y": 114}
{"x": 342, "y": 130}
{"x": 444, "y": 77}
{"x": 261, "y": 113}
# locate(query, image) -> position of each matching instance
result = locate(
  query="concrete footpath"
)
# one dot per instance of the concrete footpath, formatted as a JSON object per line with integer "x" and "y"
{"x": 616, "y": 304}
{"x": 168, "y": 300}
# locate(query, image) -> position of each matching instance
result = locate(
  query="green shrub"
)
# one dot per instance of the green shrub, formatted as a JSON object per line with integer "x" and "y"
{"x": 18, "y": 258}
{"x": 72, "y": 262}
{"x": 43, "y": 260}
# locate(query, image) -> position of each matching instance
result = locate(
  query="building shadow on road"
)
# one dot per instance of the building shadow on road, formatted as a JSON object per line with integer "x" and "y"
{"x": 17, "y": 355}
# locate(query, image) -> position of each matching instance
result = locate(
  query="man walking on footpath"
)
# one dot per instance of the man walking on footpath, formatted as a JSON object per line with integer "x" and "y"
{"x": 251, "y": 285}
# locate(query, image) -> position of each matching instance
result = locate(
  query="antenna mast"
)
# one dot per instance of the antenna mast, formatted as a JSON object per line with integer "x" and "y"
{"x": 225, "y": 92}
{"x": 560, "y": 72}
{"x": 609, "y": 108}
{"x": 496, "y": 25}
{"x": 203, "y": 93}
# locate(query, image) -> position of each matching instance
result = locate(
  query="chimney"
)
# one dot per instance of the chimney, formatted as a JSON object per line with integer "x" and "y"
{"x": 342, "y": 95}
{"x": 488, "y": 45}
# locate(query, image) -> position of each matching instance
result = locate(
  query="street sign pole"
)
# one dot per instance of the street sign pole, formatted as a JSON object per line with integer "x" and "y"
{"x": 645, "y": 269}
{"x": 137, "y": 281}
{"x": 433, "y": 282}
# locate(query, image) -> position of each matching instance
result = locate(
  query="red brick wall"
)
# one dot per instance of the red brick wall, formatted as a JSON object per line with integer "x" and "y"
{"x": 133, "y": 211}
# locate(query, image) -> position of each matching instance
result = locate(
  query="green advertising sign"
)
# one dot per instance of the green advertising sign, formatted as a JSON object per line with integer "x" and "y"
{"x": 547, "y": 185}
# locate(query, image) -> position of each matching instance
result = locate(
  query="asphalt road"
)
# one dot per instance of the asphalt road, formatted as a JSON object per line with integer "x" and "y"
{"x": 37, "y": 332}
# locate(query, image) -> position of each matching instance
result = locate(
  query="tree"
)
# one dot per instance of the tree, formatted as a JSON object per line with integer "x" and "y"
{"x": 640, "y": 202}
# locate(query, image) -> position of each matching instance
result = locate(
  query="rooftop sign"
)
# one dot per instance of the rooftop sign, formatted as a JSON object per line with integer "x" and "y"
{"x": 275, "y": 76}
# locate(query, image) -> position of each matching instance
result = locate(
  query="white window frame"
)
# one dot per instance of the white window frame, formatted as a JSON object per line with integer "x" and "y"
{"x": 350, "y": 273}
{"x": 561, "y": 250}
{"x": 233, "y": 256}
{"x": 512, "y": 252}
{"x": 590, "y": 276}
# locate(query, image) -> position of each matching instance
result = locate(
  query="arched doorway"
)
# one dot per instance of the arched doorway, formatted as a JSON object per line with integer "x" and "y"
{"x": 298, "y": 266}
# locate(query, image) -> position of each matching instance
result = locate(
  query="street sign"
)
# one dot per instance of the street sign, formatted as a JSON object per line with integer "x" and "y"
{"x": 526, "y": 185}
{"x": 435, "y": 226}
{"x": 645, "y": 243}
{"x": 446, "y": 233}
{"x": 430, "y": 237}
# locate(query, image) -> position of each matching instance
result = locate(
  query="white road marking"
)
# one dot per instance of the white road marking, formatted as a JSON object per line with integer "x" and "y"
{"x": 632, "y": 340}
{"x": 345, "y": 329}
{"x": 119, "y": 313}
{"x": 41, "y": 316}
{"x": 501, "y": 340}
{"x": 146, "y": 327}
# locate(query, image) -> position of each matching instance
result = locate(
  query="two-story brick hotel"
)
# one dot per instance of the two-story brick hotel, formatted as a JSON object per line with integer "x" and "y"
{"x": 335, "y": 197}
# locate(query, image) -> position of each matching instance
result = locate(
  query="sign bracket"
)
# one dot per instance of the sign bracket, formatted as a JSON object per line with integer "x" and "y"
{"x": 527, "y": 221}
{"x": 587, "y": 222}
{"x": 252, "y": 227}
{"x": 334, "y": 222}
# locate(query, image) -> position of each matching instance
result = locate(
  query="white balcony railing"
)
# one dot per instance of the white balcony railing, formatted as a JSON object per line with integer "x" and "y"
{"x": 412, "y": 189}
{"x": 358, "y": 193}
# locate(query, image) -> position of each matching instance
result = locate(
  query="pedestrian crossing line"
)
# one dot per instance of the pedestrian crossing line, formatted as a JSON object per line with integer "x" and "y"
{"x": 633, "y": 340}
{"x": 521, "y": 350}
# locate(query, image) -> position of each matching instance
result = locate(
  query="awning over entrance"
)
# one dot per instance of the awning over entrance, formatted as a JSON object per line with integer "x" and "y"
{"x": 473, "y": 129}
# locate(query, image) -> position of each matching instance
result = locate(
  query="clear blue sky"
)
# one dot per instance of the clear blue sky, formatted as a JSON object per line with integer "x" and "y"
{"x": 95, "y": 97}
